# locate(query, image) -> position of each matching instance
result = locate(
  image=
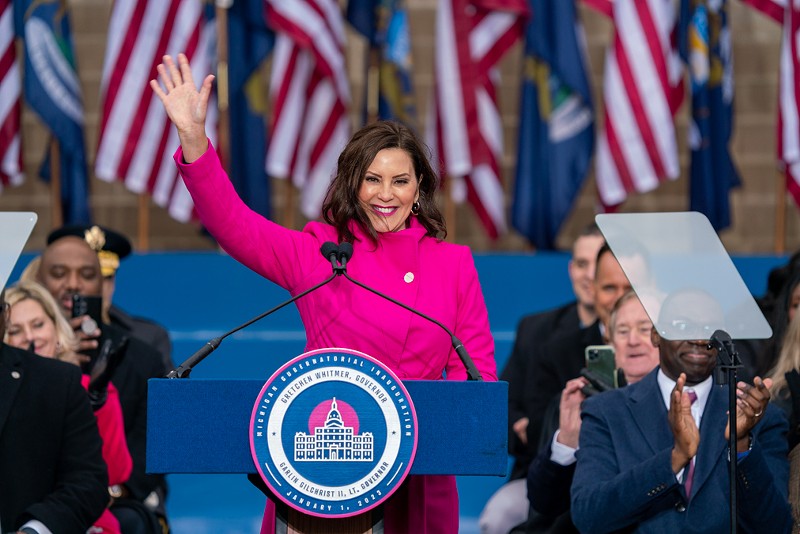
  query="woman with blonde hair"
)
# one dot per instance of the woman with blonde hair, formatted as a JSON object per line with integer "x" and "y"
{"x": 785, "y": 392}
{"x": 35, "y": 323}
{"x": 50, "y": 336}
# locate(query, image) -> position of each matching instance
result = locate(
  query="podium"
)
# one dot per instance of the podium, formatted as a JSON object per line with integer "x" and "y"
{"x": 202, "y": 426}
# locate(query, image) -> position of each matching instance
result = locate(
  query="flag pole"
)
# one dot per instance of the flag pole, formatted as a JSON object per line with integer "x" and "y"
{"x": 449, "y": 209}
{"x": 223, "y": 130}
{"x": 56, "y": 208}
{"x": 143, "y": 226}
{"x": 289, "y": 216}
{"x": 780, "y": 212}
{"x": 373, "y": 84}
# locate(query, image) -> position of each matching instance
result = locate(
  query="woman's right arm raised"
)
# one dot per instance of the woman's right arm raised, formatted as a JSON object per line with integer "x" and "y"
{"x": 184, "y": 104}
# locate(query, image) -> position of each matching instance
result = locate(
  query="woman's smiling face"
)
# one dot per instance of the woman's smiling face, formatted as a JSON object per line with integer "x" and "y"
{"x": 389, "y": 190}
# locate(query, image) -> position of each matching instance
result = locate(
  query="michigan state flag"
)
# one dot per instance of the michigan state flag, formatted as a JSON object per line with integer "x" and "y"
{"x": 556, "y": 135}
{"x": 52, "y": 90}
{"x": 706, "y": 47}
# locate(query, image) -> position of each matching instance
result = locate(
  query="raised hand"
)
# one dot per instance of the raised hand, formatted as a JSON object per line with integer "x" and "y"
{"x": 684, "y": 429}
{"x": 184, "y": 104}
{"x": 751, "y": 401}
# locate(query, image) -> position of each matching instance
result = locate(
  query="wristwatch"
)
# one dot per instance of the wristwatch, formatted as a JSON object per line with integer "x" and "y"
{"x": 116, "y": 491}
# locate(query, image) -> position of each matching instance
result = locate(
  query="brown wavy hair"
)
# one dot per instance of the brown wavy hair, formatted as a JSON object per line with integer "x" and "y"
{"x": 342, "y": 207}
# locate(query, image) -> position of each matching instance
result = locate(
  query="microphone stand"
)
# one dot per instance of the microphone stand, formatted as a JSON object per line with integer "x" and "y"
{"x": 329, "y": 250}
{"x": 728, "y": 361}
{"x": 472, "y": 372}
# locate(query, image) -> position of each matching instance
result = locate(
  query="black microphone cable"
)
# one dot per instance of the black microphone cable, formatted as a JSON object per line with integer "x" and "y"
{"x": 328, "y": 249}
{"x": 346, "y": 252}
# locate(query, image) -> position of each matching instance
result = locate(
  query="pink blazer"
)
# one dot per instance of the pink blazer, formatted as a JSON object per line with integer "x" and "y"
{"x": 435, "y": 277}
{"x": 115, "y": 450}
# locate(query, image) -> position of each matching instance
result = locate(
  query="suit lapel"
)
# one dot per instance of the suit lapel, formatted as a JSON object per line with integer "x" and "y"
{"x": 11, "y": 371}
{"x": 650, "y": 414}
{"x": 712, "y": 433}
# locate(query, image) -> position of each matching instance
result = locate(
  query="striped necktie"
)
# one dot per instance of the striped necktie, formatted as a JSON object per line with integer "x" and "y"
{"x": 687, "y": 483}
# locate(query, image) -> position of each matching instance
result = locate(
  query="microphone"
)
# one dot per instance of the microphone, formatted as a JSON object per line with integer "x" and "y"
{"x": 346, "y": 252}
{"x": 331, "y": 251}
{"x": 328, "y": 249}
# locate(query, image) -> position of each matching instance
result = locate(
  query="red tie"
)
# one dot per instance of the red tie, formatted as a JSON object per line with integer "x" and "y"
{"x": 687, "y": 483}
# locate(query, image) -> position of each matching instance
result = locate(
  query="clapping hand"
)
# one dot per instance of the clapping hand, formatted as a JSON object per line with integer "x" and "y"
{"x": 684, "y": 428}
{"x": 751, "y": 402}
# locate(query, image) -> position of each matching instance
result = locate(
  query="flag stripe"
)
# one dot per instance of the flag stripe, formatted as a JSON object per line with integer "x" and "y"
{"x": 471, "y": 37}
{"x": 638, "y": 149}
{"x": 136, "y": 138}
{"x": 310, "y": 96}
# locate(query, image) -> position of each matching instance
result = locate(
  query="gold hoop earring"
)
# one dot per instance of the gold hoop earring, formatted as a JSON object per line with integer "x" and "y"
{"x": 415, "y": 208}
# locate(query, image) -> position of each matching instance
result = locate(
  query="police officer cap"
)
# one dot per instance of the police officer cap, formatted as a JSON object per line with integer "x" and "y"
{"x": 110, "y": 246}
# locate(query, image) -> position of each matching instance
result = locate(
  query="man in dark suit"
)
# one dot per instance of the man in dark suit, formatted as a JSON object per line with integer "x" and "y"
{"x": 52, "y": 474}
{"x": 69, "y": 266}
{"x": 550, "y": 475}
{"x": 509, "y": 506}
{"x": 562, "y": 357}
{"x": 112, "y": 247}
{"x": 654, "y": 456}
{"x": 537, "y": 328}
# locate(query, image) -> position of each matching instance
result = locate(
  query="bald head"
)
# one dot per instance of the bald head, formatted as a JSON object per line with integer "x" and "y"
{"x": 70, "y": 267}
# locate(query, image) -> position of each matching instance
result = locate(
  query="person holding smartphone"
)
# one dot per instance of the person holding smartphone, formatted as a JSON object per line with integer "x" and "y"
{"x": 69, "y": 266}
{"x": 551, "y": 472}
{"x": 34, "y": 322}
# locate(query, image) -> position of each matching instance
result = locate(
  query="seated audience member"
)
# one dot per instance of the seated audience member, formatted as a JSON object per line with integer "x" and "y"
{"x": 785, "y": 393}
{"x": 69, "y": 266}
{"x": 111, "y": 248}
{"x": 654, "y": 456}
{"x": 562, "y": 357}
{"x": 35, "y": 322}
{"x": 783, "y": 312}
{"x": 52, "y": 475}
{"x": 550, "y": 474}
{"x": 508, "y": 507}
{"x": 785, "y": 375}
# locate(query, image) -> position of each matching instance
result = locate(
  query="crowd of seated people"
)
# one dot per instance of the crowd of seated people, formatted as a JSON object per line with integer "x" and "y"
{"x": 649, "y": 456}
{"x": 653, "y": 456}
{"x": 74, "y": 399}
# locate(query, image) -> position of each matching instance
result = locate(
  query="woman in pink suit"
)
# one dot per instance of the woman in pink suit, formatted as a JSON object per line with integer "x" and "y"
{"x": 382, "y": 200}
{"x": 36, "y": 323}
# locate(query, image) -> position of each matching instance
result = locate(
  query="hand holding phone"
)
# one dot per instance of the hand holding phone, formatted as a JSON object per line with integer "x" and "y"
{"x": 601, "y": 367}
{"x": 91, "y": 307}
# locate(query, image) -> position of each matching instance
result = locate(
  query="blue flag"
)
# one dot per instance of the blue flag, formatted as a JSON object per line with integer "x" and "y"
{"x": 556, "y": 131}
{"x": 249, "y": 44}
{"x": 389, "y": 91}
{"x": 705, "y": 46}
{"x": 53, "y": 91}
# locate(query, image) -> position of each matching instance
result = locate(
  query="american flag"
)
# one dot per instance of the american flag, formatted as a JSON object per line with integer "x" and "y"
{"x": 136, "y": 139}
{"x": 310, "y": 96}
{"x": 465, "y": 129}
{"x": 787, "y": 12}
{"x": 641, "y": 87}
{"x": 10, "y": 137}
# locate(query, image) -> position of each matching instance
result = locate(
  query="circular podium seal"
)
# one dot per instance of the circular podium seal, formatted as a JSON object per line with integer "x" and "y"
{"x": 333, "y": 433}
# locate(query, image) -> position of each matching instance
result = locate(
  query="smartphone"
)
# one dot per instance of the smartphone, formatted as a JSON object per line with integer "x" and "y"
{"x": 93, "y": 307}
{"x": 600, "y": 362}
